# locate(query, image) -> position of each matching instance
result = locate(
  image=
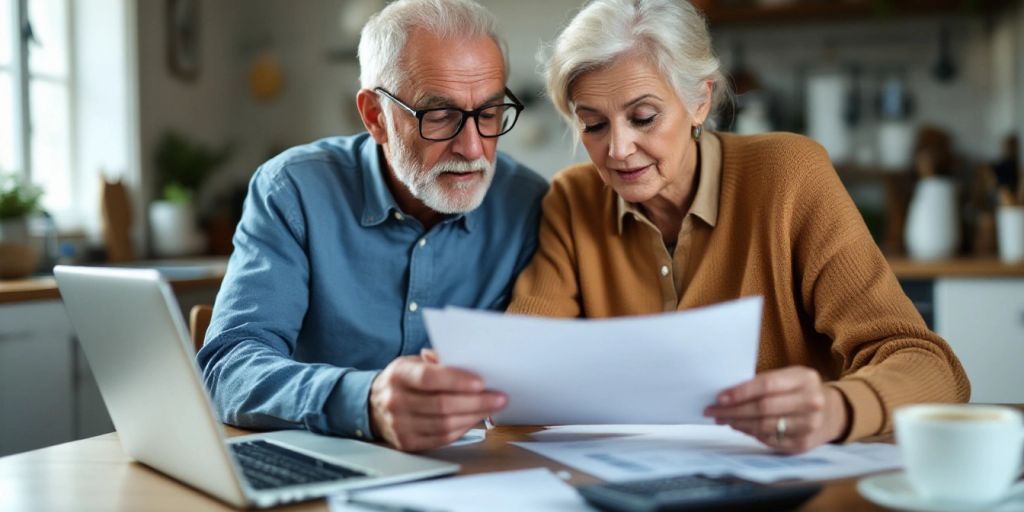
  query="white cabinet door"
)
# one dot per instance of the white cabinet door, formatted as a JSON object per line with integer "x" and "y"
{"x": 35, "y": 376}
{"x": 983, "y": 320}
{"x": 91, "y": 417}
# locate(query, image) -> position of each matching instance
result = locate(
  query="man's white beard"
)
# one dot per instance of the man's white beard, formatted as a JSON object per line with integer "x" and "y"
{"x": 424, "y": 185}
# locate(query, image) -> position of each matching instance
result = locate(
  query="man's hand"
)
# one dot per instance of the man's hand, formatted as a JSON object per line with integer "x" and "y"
{"x": 417, "y": 404}
{"x": 788, "y": 409}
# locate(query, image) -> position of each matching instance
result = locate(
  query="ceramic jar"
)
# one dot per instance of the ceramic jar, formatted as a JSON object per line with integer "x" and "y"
{"x": 932, "y": 231}
{"x": 18, "y": 255}
{"x": 174, "y": 231}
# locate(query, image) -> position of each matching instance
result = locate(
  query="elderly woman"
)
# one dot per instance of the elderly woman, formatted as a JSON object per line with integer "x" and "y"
{"x": 670, "y": 216}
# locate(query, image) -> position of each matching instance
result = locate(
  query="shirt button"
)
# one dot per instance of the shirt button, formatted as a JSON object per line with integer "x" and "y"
{"x": 664, "y": 270}
{"x": 399, "y": 216}
{"x": 413, "y": 306}
{"x": 359, "y": 433}
{"x": 423, "y": 241}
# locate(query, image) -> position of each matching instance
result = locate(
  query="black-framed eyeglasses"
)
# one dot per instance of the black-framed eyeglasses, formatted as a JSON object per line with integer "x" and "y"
{"x": 446, "y": 123}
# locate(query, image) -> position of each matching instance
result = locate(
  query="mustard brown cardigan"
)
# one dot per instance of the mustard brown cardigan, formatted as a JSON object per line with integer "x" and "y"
{"x": 770, "y": 217}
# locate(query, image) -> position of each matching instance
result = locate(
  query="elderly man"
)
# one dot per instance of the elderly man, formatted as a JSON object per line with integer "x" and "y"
{"x": 344, "y": 242}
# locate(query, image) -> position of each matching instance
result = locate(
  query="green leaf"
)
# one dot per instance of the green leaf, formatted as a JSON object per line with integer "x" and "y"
{"x": 182, "y": 164}
{"x": 17, "y": 196}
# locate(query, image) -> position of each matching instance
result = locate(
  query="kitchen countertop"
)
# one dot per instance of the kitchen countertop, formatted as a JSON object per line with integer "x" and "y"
{"x": 183, "y": 275}
{"x": 45, "y": 288}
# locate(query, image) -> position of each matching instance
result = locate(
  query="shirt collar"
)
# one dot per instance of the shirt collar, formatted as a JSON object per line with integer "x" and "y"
{"x": 705, "y": 202}
{"x": 378, "y": 202}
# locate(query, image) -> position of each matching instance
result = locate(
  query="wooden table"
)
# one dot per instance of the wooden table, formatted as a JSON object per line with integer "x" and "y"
{"x": 95, "y": 474}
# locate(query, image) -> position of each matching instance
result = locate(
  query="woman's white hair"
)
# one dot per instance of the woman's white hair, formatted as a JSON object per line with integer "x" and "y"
{"x": 671, "y": 34}
{"x": 384, "y": 35}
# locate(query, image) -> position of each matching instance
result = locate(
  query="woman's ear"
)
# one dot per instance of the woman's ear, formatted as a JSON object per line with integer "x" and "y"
{"x": 704, "y": 109}
{"x": 372, "y": 114}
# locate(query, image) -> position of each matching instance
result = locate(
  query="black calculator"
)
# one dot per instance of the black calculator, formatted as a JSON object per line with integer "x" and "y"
{"x": 696, "y": 493}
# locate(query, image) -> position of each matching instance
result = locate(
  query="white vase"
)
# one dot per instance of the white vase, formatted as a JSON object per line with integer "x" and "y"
{"x": 932, "y": 232}
{"x": 173, "y": 229}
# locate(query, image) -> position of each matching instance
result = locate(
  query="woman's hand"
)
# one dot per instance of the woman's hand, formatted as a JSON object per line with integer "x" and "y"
{"x": 788, "y": 409}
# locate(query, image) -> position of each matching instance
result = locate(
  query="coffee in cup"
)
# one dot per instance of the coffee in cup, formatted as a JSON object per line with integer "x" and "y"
{"x": 960, "y": 453}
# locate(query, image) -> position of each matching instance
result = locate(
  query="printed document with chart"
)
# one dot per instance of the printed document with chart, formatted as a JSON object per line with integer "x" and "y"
{"x": 655, "y": 369}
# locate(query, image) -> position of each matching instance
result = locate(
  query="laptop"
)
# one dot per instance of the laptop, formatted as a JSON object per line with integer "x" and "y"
{"x": 134, "y": 337}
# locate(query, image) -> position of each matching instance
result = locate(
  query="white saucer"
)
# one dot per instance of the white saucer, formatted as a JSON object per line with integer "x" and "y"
{"x": 893, "y": 490}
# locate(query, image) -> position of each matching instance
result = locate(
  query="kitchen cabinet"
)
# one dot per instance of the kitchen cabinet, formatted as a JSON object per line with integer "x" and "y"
{"x": 36, "y": 368}
{"x": 983, "y": 320}
{"x": 47, "y": 392}
{"x": 90, "y": 412}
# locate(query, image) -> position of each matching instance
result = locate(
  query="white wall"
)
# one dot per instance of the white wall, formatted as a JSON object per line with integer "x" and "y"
{"x": 318, "y": 95}
{"x": 201, "y": 108}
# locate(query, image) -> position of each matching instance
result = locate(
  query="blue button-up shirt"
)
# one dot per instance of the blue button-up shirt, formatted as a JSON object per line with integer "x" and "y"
{"x": 329, "y": 278}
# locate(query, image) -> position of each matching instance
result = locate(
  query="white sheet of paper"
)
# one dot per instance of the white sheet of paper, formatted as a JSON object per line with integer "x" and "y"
{"x": 638, "y": 452}
{"x": 512, "y": 491}
{"x": 654, "y": 369}
{"x": 472, "y": 436}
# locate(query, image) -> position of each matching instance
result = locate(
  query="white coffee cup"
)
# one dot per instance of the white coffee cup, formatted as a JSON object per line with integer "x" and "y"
{"x": 1010, "y": 231}
{"x": 960, "y": 453}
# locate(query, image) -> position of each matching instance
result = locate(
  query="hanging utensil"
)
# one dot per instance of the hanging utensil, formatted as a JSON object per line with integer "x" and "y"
{"x": 944, "y": 69}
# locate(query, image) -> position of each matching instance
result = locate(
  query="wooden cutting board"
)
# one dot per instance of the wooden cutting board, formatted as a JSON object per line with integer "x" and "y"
{"x": 117, "y": 221}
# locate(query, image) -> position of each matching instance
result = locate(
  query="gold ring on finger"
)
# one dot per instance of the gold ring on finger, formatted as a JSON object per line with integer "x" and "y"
{"x": 780, "y": 430}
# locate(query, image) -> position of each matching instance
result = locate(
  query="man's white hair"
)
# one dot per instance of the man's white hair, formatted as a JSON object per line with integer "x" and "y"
{"x": 384, "y": 35}
{"x": 671, "y": 34}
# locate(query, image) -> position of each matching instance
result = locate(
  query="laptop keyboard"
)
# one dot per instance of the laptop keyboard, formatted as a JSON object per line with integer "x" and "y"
{"x": 269, "y": 466}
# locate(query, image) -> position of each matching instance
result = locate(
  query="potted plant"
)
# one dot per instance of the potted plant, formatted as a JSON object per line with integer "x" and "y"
{"x": 18, "y": 200}
{"x": 182, "y": 166}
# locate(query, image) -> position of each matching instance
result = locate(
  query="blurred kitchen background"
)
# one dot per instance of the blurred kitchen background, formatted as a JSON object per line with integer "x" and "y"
{"x": 139, "y": 122}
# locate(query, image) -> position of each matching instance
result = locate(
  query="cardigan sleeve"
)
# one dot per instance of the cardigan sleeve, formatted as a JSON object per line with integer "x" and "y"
{"x": 548, "y": 286}
{"x": 887, "y": 355}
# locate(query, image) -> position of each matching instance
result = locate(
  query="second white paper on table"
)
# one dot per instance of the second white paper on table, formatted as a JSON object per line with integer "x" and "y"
{"x": 637, "y": 452}
{"x": 536, "y": 490}
{"x": 656, "y": 369}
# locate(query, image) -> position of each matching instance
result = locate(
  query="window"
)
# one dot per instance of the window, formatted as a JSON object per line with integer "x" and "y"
{"x": 9, "y": 101}
{"x": 35, "y": 96}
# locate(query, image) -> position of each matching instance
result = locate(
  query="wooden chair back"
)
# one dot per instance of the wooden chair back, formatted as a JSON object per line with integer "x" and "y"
{"x": 198, "y": 322}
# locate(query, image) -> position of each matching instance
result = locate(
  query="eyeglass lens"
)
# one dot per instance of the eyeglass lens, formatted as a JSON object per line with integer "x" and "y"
{"x": 444, "y": 124}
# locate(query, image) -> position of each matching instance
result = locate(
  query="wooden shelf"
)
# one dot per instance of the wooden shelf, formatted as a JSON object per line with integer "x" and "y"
{"x": 905, "y": 268}
{"x": 749, "y": 12}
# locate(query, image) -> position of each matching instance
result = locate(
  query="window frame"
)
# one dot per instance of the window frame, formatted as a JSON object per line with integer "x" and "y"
{"x": 22, "y": 79}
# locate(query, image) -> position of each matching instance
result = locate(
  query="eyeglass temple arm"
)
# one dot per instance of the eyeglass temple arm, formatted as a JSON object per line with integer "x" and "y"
{"x": 396, "y": 101}
{"x": 514, "y": 98}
